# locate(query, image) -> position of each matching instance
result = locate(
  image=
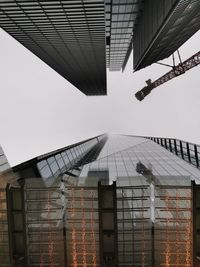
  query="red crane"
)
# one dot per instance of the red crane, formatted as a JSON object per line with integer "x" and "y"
{"x": 177, "y": 70}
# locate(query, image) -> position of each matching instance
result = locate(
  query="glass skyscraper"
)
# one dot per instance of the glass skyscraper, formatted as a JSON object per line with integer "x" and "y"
{"x": 4, "y": 165}
{"x": 80, "y": 38}
{"x": 108, "y": 201}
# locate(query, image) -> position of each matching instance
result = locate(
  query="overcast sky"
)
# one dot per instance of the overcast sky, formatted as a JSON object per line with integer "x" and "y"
{"x": 40, "y": 111}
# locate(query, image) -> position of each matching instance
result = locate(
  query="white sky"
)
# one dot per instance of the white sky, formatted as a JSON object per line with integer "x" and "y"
{"x": 40, "y": 111}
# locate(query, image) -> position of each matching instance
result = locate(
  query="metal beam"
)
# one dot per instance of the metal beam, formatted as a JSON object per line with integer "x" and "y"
{"x": 108, "y": 241}
{"x": 17, "y": 225}
{"x": 173, "y": 73}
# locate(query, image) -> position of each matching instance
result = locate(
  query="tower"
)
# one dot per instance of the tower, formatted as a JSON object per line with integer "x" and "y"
{"x": 107, "y": 201}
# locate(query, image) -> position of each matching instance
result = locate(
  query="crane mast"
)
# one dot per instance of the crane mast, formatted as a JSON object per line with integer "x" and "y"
{"x": 177, "y": 70}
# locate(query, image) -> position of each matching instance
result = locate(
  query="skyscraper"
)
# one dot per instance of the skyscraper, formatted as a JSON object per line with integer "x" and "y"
{"x": 4, "y": 165}
{"x": 79, "y": 38}
{"x": 6, "y": 176}
{"x": 108, "y": 201}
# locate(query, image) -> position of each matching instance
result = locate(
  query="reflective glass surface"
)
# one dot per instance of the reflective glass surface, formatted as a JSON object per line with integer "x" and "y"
{"x": 160, "y": 23}
{"x": 6, "y": 176}
{"x": 153, "y": 192}
{"x": 67, "y": 35}
{"x": 153, "y": 206}
{"x": 54, "y": 165}
{"x": 4, "y": 244}
{"x": 4, "y": 165}
{"x": 121, "y": 154}
{"x": 121, "y": 17}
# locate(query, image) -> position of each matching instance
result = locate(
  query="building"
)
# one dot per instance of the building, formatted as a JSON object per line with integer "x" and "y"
{"x": 163, "y": 27}
{"x": 107, "y": 201}
{"x": 4, "y": 165}
{"x": 6, "y": 176}
{"x": 79, "y": 38}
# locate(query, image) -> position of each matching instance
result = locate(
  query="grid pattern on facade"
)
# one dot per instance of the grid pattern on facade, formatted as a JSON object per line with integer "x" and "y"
{"x": 51, "y": 165}
{"x": 134, "y": 226}
{"x": 4, "y": 165}
{"x": 169, "y": 25}
{"x": 68, "y": 35}
{"x": 121, "y": 160}
{"x": 173, "y": 226}
{"x": 155, "y": 223}
{"x": 82, "y": 227}
{"x": 120, "y": 20}
{"x": 65, "y": 160}
{"x": 185, "y": 150}
{"x": 4, "y": 243}
{"x": 44, "y": 226}
{"x": 154, "y": 215}
{"x": 62, "y": 225}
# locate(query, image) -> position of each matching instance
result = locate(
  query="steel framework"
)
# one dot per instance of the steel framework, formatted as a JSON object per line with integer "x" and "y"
{"x": 177, "y": 70}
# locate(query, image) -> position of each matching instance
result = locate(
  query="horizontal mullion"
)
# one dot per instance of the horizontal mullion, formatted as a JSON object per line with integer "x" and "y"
{"x": 58, "y": 35}
{"x": 68, "y": 16}
{"x": 63, "y": 22}
{"x": 88, "y": 20}
{"x": 66, "y": 31}
{"x": 59, "y": 24}
{"x": 53, "y": 13}
{"x": 67, "y": 4}
{"x": 61, "y": 27}
{"x": 64, "y": 42}
{"x": 125, "y": 4}
{"x": 124, "y": 13}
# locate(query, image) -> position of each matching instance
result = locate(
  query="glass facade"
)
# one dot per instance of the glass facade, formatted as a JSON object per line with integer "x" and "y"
{"x": 6, "y": 176}
{"x": 121, "y": 154}
{"x": 4, "y": 165}
{"x": 51, "y": 165}
{"x": 151, "y": 210}
{"x": 79, "y": 38}
{"x": 4, "y": 243}
{"x": 162, "y": 28}
{"x": 154, "y": 201}
{"x": 62, "y": 231}
{"x": 121, "y": 17}
{"x": 154, "y": 218}
{"x": 185, "y": 150}
{"x": 68, "y": 35}
{"x": 60, "y": 162}
{"x": 158, "y": 234}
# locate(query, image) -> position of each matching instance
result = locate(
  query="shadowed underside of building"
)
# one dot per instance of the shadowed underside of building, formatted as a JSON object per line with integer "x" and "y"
{"x": 107, "y": 201}
{"x": 162, "y": 28}
{"x": 79, "y": 38}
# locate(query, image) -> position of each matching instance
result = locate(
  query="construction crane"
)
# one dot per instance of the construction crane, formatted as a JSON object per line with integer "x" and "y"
{"x": 177, "y": 70}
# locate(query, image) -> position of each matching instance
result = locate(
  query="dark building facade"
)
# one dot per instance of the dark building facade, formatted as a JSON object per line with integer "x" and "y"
{"x": 108, "y": 201}
{"x": 162, "y": 28}
{"x": 68, "y": 35}
{"x": 4, "y": 165}
{"x": 79, "y": 38}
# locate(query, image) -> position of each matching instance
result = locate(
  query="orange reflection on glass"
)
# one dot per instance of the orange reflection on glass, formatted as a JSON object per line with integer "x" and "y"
{"x": 94, "y": 262}
{"x": 177, "y": 228}
{"x": 189, "y": 239}
{"x": 50, "y": 237}
{"x": 41, "y": 261}
{"x": 73, "y": 232}
{"x": 41, "y": 255}
{"x": 167, "y": 246}
{"x": 83, "y": 229}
